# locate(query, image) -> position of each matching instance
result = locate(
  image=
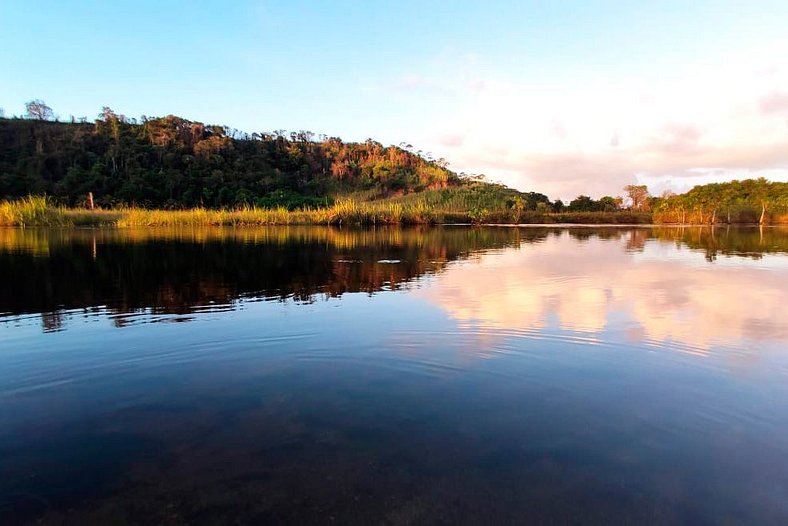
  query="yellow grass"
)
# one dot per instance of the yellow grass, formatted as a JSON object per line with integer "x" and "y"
{"x": 36, "y": 211}
{"x": 31, "y": 211}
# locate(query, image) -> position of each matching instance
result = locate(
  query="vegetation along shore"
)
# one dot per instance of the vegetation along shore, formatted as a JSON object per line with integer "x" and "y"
{"x": 36, "y": 211}
{"x": 117, "y": 171}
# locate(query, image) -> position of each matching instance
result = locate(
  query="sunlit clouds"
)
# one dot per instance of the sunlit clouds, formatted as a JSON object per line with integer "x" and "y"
{"x": 563, "y": 98}
{"x": 585, "y": 134}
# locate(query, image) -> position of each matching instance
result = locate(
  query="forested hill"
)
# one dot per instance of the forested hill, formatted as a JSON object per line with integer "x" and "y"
{"x": 170, "y": 162}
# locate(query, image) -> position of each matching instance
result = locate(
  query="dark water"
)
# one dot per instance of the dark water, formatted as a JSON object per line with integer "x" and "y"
{"x": 439, "y": 376}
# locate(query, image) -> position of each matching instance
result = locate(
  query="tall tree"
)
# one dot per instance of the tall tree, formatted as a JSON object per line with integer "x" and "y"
{"x": 638, "y": 196}
{"x": 38, "y": 110}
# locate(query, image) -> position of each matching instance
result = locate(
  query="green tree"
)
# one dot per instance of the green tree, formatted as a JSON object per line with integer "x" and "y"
{"x": 584, "y": 203}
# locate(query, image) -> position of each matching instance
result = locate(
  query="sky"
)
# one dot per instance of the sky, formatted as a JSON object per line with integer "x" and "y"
{"x": 563, "y": 98}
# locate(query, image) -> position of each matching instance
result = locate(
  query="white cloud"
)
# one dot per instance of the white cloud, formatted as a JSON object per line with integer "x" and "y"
{"x": 596, "y": 135}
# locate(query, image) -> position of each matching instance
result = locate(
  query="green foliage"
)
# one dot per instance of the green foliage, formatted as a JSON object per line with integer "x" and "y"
{"x": 748, "y": 201}
{"x": 470, "y": 195}
{"x": 583, "y": 203}
{"x": 290, "y": 200}
{"x": 173, "y": 163}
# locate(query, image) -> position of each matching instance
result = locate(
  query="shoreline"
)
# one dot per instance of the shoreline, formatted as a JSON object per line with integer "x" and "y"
{"x": 37, "y": 212}
{"x": 109, "y": 226}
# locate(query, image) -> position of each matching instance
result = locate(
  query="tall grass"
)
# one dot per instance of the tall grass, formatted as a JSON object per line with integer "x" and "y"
{"x": 32, "y": 211}
{"x": 36, "y": 211}
{"x": 345, "y": 212}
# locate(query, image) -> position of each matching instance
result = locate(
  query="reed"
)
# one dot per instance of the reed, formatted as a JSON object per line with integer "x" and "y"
{"x": 37, "y": 211}
{"x": 32, "y": 211}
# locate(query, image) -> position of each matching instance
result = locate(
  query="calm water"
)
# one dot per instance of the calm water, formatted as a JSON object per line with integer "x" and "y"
{"x": 454, "y": 375}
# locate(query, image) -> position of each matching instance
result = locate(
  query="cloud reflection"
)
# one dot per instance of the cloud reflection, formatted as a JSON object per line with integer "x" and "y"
{"x": 595, "y": 286}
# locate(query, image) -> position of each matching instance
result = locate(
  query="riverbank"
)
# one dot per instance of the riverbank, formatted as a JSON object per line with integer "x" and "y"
{"x": 35, "y": 211}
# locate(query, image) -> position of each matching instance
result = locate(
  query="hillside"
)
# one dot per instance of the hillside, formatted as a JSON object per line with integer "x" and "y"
{"x": 171, "y": 162}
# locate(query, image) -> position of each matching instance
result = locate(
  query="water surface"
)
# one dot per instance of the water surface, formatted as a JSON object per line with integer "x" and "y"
{"x": 395, "y": 376}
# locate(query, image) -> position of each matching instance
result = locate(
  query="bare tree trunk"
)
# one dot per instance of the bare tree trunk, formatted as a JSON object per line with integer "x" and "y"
{"x": 90, "y": 201}
{"x": 763, "y": 214}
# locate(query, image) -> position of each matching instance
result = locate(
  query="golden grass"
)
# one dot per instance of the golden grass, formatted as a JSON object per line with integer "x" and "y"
{"x": 31, "y": 211}
{"x": 342, "y": 213}
{"x": 36, "y": 211}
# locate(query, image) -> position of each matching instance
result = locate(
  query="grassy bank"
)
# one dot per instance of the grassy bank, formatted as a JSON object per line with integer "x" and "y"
{"x": 36, "y": 211}
{"x": 32, "y": 211}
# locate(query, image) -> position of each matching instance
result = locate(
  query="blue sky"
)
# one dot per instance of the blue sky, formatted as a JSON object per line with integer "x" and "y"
{"x": 559, "y": 97}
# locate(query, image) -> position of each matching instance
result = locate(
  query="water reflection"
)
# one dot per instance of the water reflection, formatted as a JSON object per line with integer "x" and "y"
{"x": 445, "y": 375}
{"x": 644, "y": 284}
{"x": 185, "y": 271}
{"x": 581, "y": 277}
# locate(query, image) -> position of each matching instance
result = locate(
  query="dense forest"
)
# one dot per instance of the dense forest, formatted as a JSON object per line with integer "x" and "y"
{"x": 173, "y": 163}
{"x": 170, "y": 162}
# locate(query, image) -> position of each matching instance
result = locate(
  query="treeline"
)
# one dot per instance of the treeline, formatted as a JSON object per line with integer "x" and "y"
{"x": 748, "y": 201}
{"x": 638, "y": 202}
{"x": 170, "y": 162}
{"x": 173, "y": 163}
